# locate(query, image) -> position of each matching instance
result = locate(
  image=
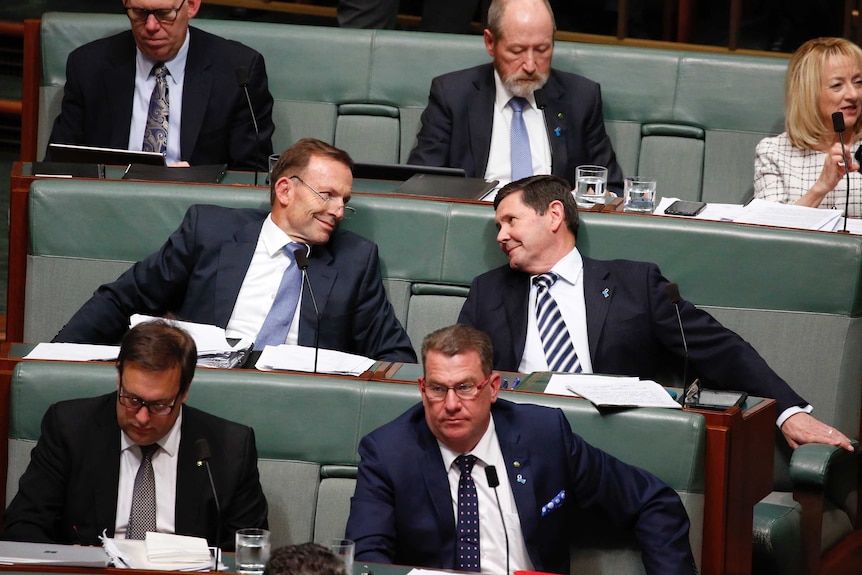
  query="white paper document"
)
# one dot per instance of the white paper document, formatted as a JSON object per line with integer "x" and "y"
{"x": 160, "y": 551}
{"x": 74, "y": 352}
{"x": 716, "y": 212}
{"x": 214, "y": 350}
{"x": 768, "y": 213}
{"x": 19, "y": 553}
{"x": 300, "y": 358}
{"x": 611, "y": 391}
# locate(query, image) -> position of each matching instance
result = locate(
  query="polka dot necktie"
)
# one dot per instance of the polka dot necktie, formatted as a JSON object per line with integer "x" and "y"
{"x": 468, "y": 516}
{"x": 143, "y": 515}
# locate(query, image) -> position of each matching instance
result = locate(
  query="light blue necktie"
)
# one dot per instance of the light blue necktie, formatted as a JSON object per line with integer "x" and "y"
{"x": 156, "y": 132}
{"x": 277, "y": 323}
{"x": 559, "y": 350}
{"x": 522, "y": 159}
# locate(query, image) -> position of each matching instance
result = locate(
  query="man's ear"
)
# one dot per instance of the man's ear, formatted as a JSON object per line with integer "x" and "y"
{"x": 557, "y": 215}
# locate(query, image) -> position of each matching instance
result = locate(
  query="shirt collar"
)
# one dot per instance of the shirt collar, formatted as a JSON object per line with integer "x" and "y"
{"x": 504, "y": 95}
{"x": 569, "y": 268}
{"x": 273, "y": 237}
{"x": 176, "y": 65}
{"x": 482, "y": 451}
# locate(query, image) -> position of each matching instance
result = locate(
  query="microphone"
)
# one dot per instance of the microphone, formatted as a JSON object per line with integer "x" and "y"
{"x": 493, "y": 483}
{"x": 838, "y": 126}
{"x": 673, "y": 294}
{"x": 204, "y": 453}
{"x": 301, "y": 256}
{"x": 542, "y": 103}
{"x": 242, "y": 80}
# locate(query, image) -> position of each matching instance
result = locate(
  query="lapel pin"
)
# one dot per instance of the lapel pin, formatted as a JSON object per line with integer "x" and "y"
{"x": 520, "y": 479}
{"x": 606, "y": 292}
{"x": 560, "y": 116}
{"x": 517, "y": 464}
{"x": 557, "y": 131}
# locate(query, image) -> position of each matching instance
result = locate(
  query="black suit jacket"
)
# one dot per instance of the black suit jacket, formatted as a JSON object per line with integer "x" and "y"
{"x": 633, "y": 330}
{"x": 216, "y": 126}
{"x": 198, "y": 272}
{"x": 68, "y": 494}
{"x": 401, "y": 511}
{"x": 457, "y": 123}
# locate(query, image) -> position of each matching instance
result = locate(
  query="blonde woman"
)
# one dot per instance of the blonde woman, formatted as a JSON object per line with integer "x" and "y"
{"x": 804, "y": 165}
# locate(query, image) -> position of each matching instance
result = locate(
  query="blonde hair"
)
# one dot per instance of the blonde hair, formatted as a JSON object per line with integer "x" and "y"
{"x": 802, "y": 85}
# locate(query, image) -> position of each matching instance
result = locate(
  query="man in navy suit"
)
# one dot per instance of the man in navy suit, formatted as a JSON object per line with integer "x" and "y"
{"x": 617, "y": 314}
{"x": 467, "y": 121}
{"x": 407, "y": 490}
{"x": 81, "y": 476}
{"x": 109, "y": 83}
{"x": 223, "y": 266}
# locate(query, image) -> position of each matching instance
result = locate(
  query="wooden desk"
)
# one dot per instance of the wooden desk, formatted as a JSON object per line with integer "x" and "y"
{"x": 740, "y": 446}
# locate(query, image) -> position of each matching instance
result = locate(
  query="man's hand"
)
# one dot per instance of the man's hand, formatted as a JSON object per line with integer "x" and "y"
{"x": 801, "y": 428}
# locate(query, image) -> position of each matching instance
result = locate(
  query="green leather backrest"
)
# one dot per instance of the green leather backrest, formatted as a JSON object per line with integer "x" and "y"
{"x": 321, "y": 419}
{"x": 690, "y": 120}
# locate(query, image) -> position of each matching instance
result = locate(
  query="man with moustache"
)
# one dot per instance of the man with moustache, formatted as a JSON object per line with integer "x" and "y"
{"x": 108, "y": 99}
{"x": 473, "y": 117}
{"x": 98, "y": 458}
{"x": 235, "y": 268}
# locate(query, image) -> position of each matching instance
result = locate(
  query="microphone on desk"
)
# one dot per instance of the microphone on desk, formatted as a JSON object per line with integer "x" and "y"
{"x": 493, "y": 483}
{"x": 838, "y": 126}
{"x": 673, "y": 294}
{"x": 242, "y": 79}
{"x": 204, "y": 454}
{"x": 301, "y": 256}
{"x": 542, "y": 103}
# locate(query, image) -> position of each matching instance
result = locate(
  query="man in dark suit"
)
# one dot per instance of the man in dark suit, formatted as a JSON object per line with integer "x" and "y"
{"x": 617, "y": 315}
{"x": 223, "y": 267}
{"x": 82, "y": 473}
{"x": 467, "y": 121}
{"x": 409, "y": 484}
{"x": 109, "y": 83}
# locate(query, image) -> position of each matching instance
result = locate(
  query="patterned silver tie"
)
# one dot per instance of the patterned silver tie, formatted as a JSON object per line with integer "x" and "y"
{"x": 156, "y": 133}
{"x": 143, "y": 515}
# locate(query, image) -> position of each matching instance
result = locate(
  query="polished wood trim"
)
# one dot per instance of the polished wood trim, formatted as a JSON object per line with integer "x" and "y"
{"x": 32, "y": 78}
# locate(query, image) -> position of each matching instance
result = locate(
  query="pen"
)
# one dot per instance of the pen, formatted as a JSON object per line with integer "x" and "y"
{"x": 505, "y": 384}
{"x": 516, "y": 383}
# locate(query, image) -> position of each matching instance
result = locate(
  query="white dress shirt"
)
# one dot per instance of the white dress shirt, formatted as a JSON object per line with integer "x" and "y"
{"x": 492, "y": 537}
{"x": 260, "y": 286}
{"x": 165, "y": 470}
{"x": 145, "y": 81}
{"x": 500, "y": 157}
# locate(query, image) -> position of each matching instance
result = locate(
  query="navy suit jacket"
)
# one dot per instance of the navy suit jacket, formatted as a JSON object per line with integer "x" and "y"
{"x": 632, "y": 329}
{"x": 197, "y": 274}
{"x": 401, "y": 511}
{"x": 457, "y": 123}
{"x": 216, "y": 126}
{"x": 68, "y": 494}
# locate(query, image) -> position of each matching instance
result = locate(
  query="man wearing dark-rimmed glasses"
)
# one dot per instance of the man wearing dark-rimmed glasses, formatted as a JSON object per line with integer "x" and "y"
{"x": 109, "y": 91}
{"x": 85, "y": 473}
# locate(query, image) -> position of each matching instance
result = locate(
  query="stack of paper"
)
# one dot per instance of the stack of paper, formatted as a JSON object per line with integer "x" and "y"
{"x": 160, "y": 551}
{"x": 213, "y": 347}
{"x": 611, "y": 391}
{"x": 299, "y": 358}
{"x": 74, "y": 352}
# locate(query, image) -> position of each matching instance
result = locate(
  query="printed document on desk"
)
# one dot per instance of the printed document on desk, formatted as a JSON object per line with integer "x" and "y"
{"x": 768, "y": 213}
{"x": 159, "y": 551}
{"x": 300, "y": 358}
{"x": 214, "y": 350}
{"x": 611, "y": 391}
{"x": 74, "y": 352}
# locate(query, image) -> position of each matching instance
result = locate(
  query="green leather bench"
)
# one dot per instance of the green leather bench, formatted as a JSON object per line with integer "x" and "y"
{"x": 308, "y": 429}
{"x": 795, "y": 295}
{"x": 690, "y": 120}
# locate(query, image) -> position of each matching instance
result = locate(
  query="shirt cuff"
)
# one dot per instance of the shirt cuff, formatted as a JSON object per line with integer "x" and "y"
{"x": 785, "y": 415}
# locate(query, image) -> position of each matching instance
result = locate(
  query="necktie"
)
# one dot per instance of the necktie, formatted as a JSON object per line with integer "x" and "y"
{"x": 156, "y": 132}
{"x": 559, "y": 350}
{"x": 277, "y": 323}
{"x": 522, "y": 159}
{"x": 143, "y": 515}
{"x": 468, "y": 516}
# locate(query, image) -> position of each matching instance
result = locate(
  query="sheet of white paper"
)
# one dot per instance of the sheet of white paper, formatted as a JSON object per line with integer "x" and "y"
{"x": 74, "y": 352}
{"x": 299, "y": 358}
{"x": 132, "y": 554}
{"x": 716, "y": 212}
{"x": 768, "y": 213}
{"x": 208, "y": 338}
{"x": 610, "y": 391}
{"x": 854, "y": 225}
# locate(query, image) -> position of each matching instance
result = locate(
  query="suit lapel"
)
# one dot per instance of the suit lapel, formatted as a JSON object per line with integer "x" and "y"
{"x": 105, "y": 450}
{"x": 321, "y": 276}
{"x": 234, "y": 259}
{"x": 480, "y": 113}
{"x": 119, "y": 81}
{"x": 598, "y": 293}
{"x": 516, "y": 458}
{"x": 196, "y": 92}
{"x": 516, "y": 304}
{"x": 437, "y": 484}
{"x": 556, "y": 126}
{"x": 192, "y": 485}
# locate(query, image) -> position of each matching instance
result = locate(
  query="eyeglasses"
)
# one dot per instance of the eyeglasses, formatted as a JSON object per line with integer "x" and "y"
{"x": 164, "y": 15}
{"x": 136, "y": 403}
{"x": 436, "y": 392}
{"x": 349, "y": 211}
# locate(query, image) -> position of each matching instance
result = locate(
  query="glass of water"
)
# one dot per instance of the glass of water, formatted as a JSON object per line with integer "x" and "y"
{"x": 252, "y": 550}
{"x": 344, "y": 549}
{"x": 639, "y": 195}
{"x": 590, "y": 185}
